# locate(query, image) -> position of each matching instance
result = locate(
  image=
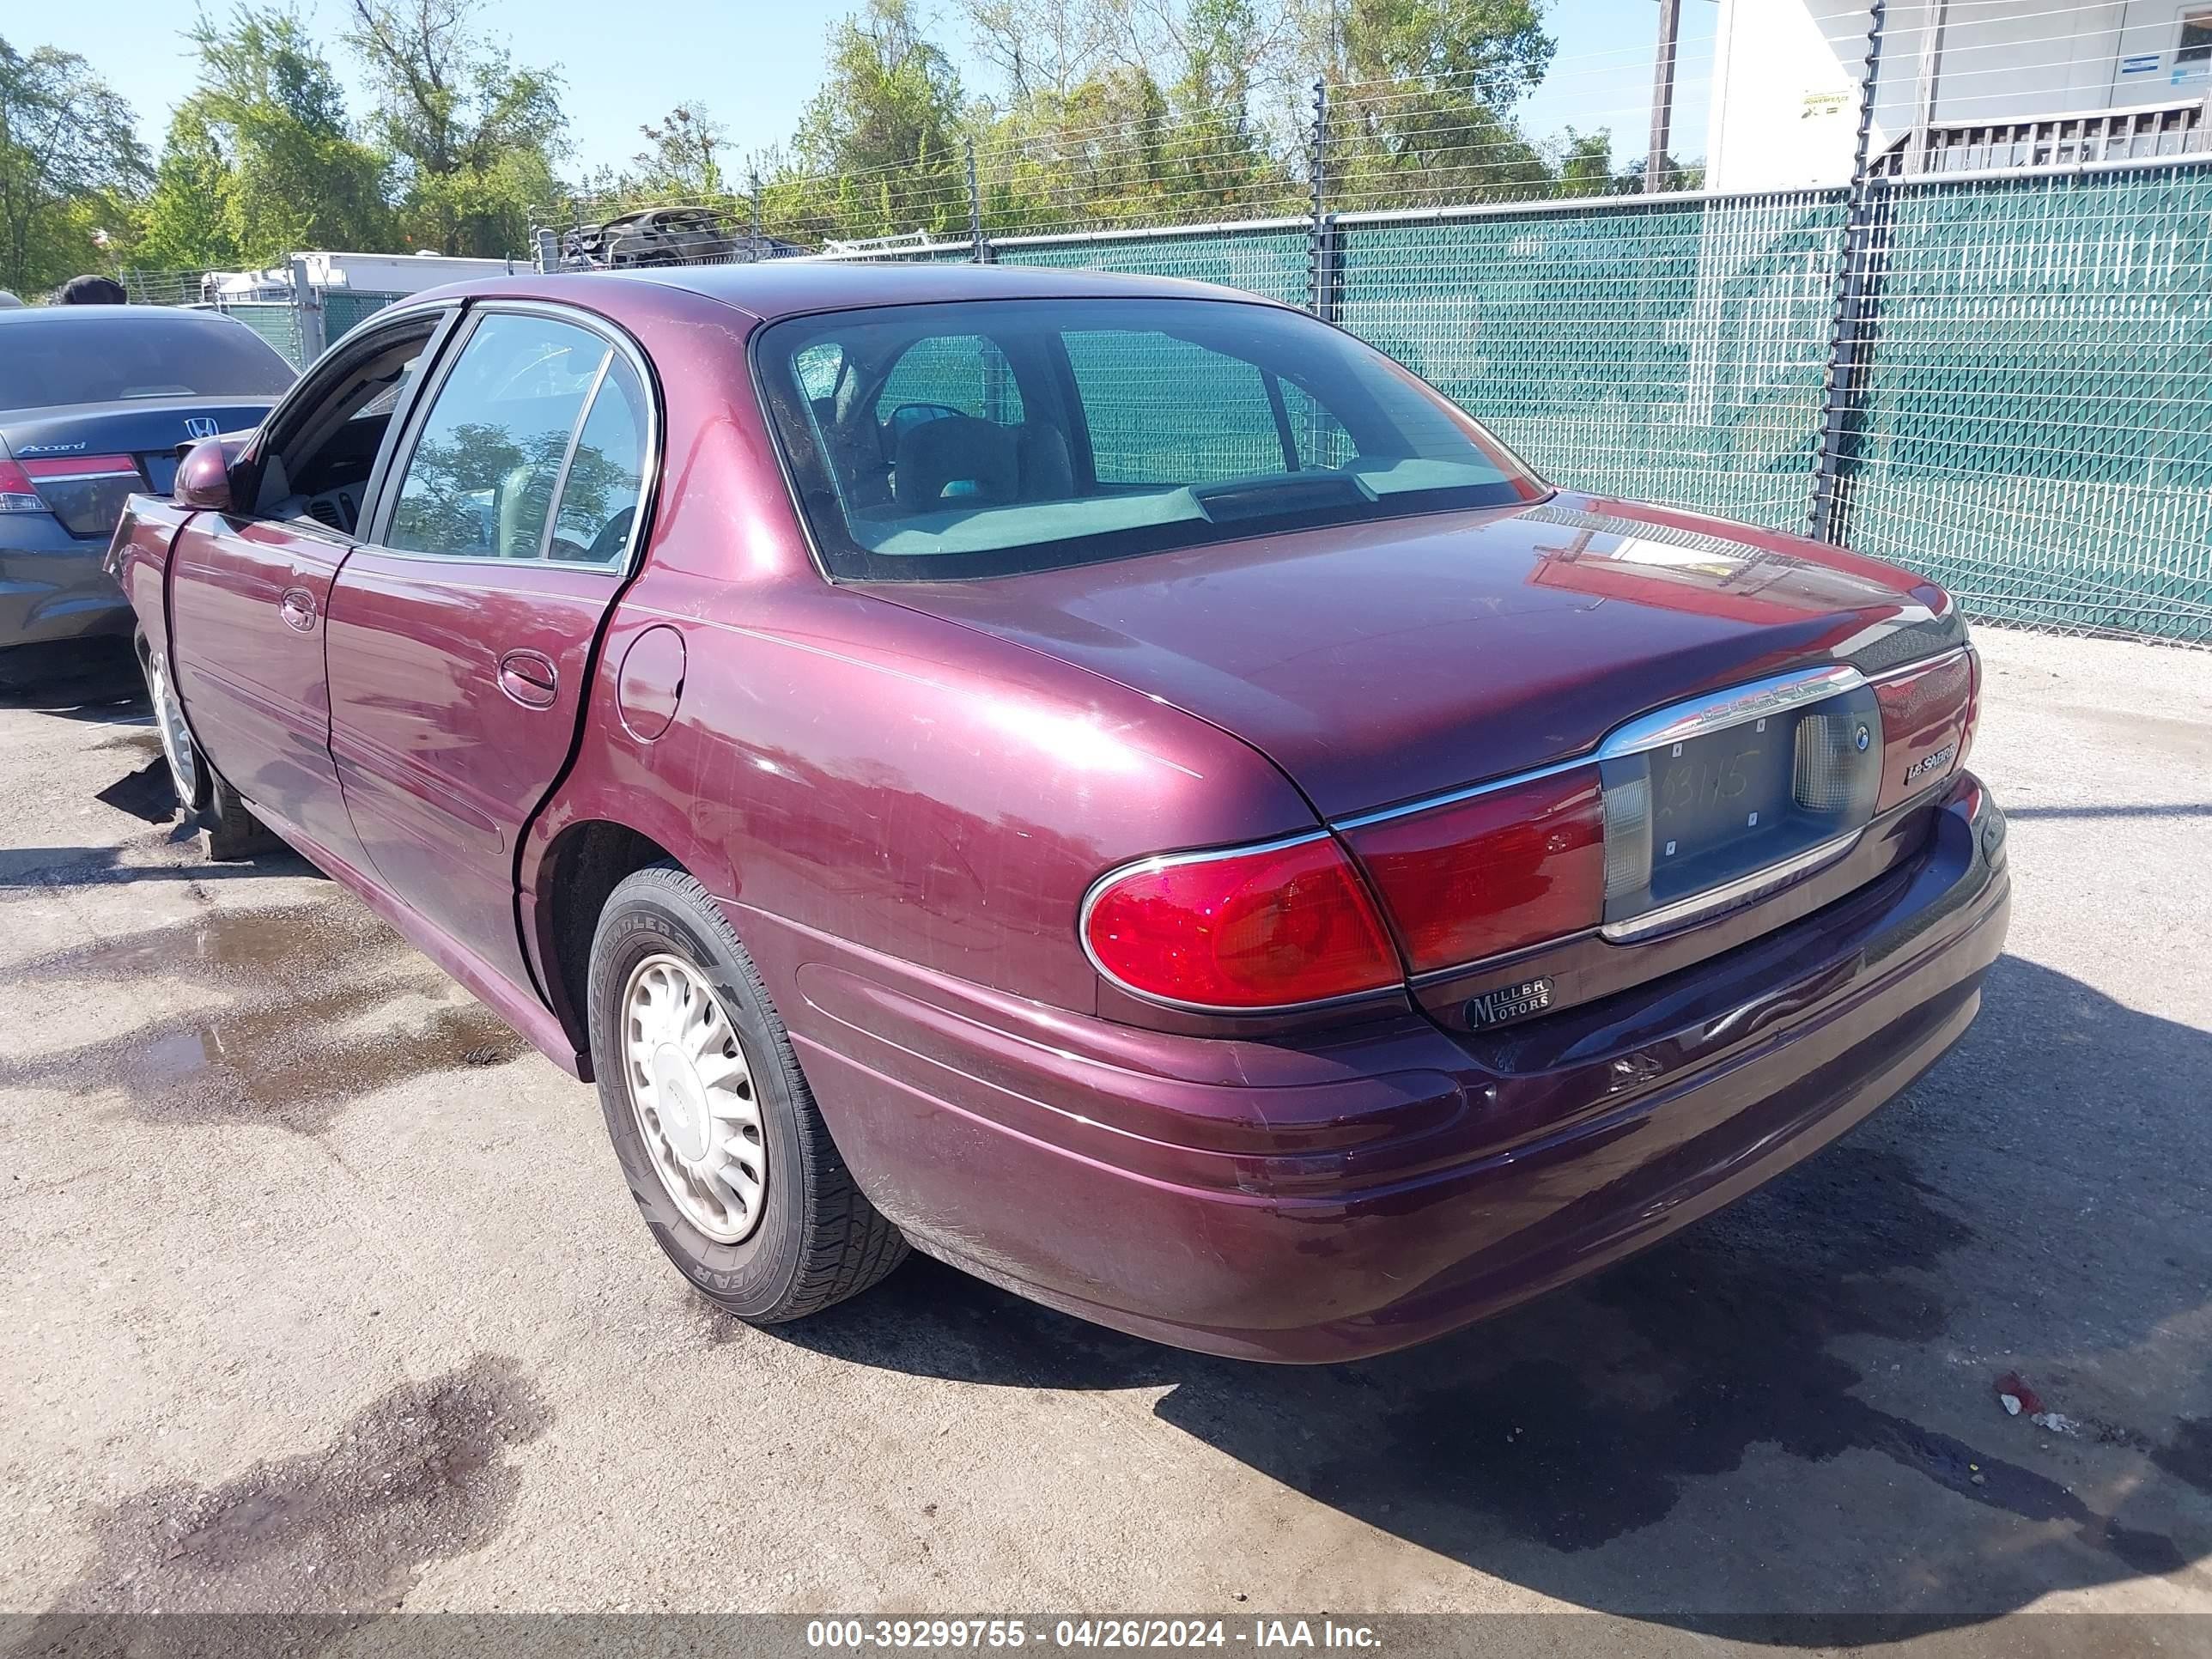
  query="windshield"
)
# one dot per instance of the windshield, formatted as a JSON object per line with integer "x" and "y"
{"x": 115, "y": 355}
{"x": 981, "y": 438}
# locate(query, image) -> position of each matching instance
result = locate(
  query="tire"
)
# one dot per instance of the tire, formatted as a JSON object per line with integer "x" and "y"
{"x": 809, "y": 1237}
{"x": 228, "y": 827}
{"x": 190, "y": 774}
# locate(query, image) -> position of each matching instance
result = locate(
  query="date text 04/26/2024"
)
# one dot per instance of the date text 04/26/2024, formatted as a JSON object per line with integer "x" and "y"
{"x": 1067, "y": 1634}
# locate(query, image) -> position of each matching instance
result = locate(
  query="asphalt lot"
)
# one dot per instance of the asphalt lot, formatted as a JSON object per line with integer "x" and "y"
{"x": 323, "y": 1293}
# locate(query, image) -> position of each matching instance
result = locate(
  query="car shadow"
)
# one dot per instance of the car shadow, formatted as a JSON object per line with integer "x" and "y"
{"x": 1787, "y": 1410}
{"x": 94, "y": 682}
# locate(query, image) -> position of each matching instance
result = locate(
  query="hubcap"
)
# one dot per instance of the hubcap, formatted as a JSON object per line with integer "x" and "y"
{"x": 176, "y": 738}
{"x": 691, "y": 1092}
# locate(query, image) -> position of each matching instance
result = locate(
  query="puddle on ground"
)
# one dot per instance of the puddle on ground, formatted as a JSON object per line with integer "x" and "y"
{"x": 420, "y": 1475}
{"x": 139, "y": 739}
{"x": 221, "y": 947}
{"x": 298, "y": 1038}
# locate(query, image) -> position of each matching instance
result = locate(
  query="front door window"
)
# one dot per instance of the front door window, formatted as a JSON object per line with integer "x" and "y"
{"x": 481, "y": 481}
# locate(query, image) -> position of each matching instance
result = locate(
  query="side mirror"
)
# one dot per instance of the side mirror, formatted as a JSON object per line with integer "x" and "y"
{"x": 203, "y": 478}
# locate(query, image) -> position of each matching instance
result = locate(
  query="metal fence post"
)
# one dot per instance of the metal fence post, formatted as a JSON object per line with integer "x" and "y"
{"x": 1853, "y": 292}
{"x": 1324, "y": 241}
{"x": 1657, "y": 167}
{"x": 753, "y": 190}
{"x": 307, "y": 313}
{"x": 974, "y": 208}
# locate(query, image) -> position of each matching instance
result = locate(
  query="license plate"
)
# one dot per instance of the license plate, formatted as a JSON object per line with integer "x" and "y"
{"x": 1711, "y": 796}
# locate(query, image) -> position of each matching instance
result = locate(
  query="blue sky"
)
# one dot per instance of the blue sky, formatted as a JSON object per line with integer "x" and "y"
{"x": 753, "y": 65}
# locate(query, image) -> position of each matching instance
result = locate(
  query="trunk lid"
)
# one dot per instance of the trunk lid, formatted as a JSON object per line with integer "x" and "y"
{"x": 1381, "y": 664}
{"x": 85, "y": 458}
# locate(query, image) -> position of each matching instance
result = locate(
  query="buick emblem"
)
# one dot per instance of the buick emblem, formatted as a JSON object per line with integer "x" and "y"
{"x": 206, "y": 426}
{"x": 1863, "y": 739}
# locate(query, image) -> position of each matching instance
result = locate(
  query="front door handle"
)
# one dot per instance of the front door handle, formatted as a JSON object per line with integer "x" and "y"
{"x": 529, "y": 677}
{"x": 297, "y": 607}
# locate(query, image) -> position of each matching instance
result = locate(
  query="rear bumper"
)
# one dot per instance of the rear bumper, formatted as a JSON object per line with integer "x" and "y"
{"x": 54, "y": 587}
{"x": 1336, "y": 1202}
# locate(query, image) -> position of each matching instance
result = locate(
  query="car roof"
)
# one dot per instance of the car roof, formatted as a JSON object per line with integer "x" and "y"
{"x": 770, "y": 288}
{"x": 88, "y": 316}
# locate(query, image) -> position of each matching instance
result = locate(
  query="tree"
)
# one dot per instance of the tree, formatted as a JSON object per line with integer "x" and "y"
{"x": 679, "y": 161}
{"x": 882, "y": 134}
{"x": 187, "y": 222}
{"x": 1491, "y": 50}
{"x": 261, "y": 160}
{"x": 69, "y": 156}
{"x": 473, "y": 137}
{"x": 1428, "y": 86}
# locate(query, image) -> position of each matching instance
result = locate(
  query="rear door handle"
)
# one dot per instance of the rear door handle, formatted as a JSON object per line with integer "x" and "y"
{"x": 529, "y": 677}
{"x": 297, "y": 607}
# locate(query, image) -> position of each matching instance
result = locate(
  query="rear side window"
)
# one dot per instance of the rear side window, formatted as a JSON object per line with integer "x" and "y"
{"x": 600, "y": 496}
{"x": 490, "y": 456}
{"x": 109, "y": 355}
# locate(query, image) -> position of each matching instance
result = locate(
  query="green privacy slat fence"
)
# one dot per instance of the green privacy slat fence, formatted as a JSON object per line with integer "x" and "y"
{"x": 276, "y": 321}
{"x": 344, "y": 310}
{"x": 1672, "y": 351}
{"x": 1269, "y": 260}
{"x": 2034, "y": 429}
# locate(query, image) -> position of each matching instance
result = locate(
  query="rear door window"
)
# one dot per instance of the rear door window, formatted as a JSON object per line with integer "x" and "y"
{"x": 597, "y": 518}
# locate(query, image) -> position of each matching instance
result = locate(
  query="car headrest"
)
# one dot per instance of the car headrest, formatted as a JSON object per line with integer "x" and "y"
{"x": 956, "y": 458}
{"x": 1047, "y": 473}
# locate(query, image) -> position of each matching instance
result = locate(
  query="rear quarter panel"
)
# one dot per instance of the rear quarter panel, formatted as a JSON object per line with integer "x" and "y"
{"x": 860, "y": 780}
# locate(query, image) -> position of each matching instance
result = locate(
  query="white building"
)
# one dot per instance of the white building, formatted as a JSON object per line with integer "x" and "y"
{"x": 1962, "y": 83}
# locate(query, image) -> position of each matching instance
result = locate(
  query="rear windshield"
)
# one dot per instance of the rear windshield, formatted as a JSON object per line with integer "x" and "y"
{"x": 935, "y": 441}
{"x": 115, "y": 355}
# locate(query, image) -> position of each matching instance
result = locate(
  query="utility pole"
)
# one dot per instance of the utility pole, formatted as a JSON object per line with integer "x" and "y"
{"x": 1663, "y": 96}
{"x": 1931, "y": 69}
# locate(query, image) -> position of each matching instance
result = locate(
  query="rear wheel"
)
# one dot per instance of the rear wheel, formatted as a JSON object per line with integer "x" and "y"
{"x": 712, "y": 1120}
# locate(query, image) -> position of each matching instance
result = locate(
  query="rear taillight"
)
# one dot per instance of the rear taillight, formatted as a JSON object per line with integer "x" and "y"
{"x": 76, "y": 468}
{"x": 1927, "y": 717}
{"x": 17, "y": 492}
{"x": 1261, "y": 928}
{"x": 85, "y": 492}
{"x": 1508, "y": 867}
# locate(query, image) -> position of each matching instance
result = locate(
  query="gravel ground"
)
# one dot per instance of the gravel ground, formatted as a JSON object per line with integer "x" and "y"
{"x": 323, "y": 1294}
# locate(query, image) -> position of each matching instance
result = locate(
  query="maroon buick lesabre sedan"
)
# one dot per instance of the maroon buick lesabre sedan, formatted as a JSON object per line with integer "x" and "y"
{"x": 1112, "y": 783}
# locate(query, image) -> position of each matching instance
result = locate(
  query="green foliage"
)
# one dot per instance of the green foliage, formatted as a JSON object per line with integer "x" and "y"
{"x": 69, "y": 161}
{"x": 890, "y": 98}
{"x": 1116, "y": 111}
{"x": 680, "y": 163}
{"x": 261, "y": 160}
{"x": 1425, "y": 123}
{"x": 472, "y": 137}
{"x": 186, "y": 224}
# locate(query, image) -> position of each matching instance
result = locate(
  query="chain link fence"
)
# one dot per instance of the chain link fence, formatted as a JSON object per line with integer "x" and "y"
{"x": 2033, "y": 422}
{"x": 2001, "y": 377}
{"x": 300, "y": 321}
